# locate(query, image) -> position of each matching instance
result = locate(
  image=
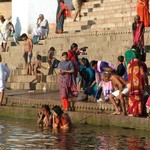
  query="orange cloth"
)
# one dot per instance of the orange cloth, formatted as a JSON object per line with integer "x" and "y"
{"x": 143, "y": 11}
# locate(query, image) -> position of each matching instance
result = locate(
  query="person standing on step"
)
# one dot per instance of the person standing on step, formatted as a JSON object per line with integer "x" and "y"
{"x": 4, "y": 74}
{"x": 28, "y": 47}
{"x": 77, "y": 4}
{"x": 5, "y": 27}
{"x": 66, "y": 80}
{"x": 138, "y": 30}
{"x": 142, "y": 10}
{"x": 50, "y": 59}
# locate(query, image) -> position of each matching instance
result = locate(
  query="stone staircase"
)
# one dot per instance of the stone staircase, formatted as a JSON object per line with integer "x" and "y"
{"x": 103, "y": 15}
{"x": 109, "y": 35}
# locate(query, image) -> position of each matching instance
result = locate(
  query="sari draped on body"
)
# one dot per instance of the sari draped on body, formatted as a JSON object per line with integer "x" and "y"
{"x": 136, "y": 79}
{"x": 138, "y": 34}
{"x": 143, "y": 12}
{"x": 60, "y": 21}
{"x": 66, "y": 81}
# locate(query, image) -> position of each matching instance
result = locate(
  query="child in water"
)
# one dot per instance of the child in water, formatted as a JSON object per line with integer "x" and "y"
{"x": 36, "y": 68}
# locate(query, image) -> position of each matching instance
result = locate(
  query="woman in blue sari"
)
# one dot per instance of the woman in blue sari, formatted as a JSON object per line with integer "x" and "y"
{"x": 60, "y": 16}
{"x": 66, "y": 80}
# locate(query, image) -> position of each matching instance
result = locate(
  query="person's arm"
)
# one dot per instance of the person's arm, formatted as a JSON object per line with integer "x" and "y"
{"x": 31, "y": 45}
{"x": 40, "y": 119}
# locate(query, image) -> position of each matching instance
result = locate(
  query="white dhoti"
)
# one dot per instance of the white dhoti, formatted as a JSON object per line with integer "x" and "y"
{"x": 2, "y": 85}
{"x": 4, "y": 37}
{"x": 40, "y": 31}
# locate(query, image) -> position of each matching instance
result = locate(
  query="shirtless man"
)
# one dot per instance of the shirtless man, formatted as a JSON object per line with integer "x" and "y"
{"x": 121, "y": 89}
{"x": 28, "y": 47}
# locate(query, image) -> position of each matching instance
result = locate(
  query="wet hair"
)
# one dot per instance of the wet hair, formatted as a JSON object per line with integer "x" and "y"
{"x": 74, "y": 45}
{"x": 58, "y": 110}
{"x": 121, "y": 58}
{"x": 137, "y": 17}
{"x": 85, "y": 62}
{"x": 64, "y": 54}
{"x": 24, "y": 35}
{"x": 39, "y": 57}
{"x": 105, "y": 75}
{"x": 134, "y": 47}
{"x": 47, "y": 108}
{"x": 52, "y": 49}
{"x": 93, "y": 63}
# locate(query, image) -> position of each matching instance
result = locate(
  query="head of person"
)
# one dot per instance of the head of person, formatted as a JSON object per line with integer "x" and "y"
{"x": 137, "y": 19}
{"x": 24, "y": 36}
{"x": 41, "y": 17}
{"x": 106, "y": 76}
{"x": 2, "y": 19}
{"x": 60, "y": 1}
{"x": 74, "y": 47}
{"x": 57, "y": 111}
{"x": 52, "y": 50}
{"x": 120, "y": 59}
{"x": 64, "y": 56}
{"x": 0, "y": 58}
{"x": 45, "y": 109}
{"x": 85, "y": 62}
{"x": 93, "y": 64}
{"x": 39, "y": 57}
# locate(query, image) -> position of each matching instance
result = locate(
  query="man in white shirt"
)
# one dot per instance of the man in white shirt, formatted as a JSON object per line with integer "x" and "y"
{"x": 42, "y": 28}
{"x": 4, "y": 74}
{"x": 4, "y": 31}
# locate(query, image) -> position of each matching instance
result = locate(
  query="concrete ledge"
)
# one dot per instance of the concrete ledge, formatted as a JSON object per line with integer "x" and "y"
{"x": 95, "y": 118}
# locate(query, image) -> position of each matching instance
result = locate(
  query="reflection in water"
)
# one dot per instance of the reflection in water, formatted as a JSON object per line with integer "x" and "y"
{"x": 25, "y": 135}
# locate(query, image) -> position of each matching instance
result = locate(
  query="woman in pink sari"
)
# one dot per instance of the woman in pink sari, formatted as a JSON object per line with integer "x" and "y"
{"x": 138, "y": 32}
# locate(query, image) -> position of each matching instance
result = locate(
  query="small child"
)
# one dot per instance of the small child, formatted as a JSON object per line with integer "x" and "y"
{"x": 28, "y": 47}
{"x": 120, "y": 68}
{"x": 37, "y": 66}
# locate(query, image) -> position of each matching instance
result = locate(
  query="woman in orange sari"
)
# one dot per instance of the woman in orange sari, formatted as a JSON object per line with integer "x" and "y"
{"x": 142, "y": 10}
{"x": 136, "y": 79}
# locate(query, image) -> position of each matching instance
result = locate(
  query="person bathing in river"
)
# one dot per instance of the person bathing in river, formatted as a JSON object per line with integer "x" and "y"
{"x": 121, "y": 90}
{"x": 61, "y": 120}
{"x": 45, "y": 117}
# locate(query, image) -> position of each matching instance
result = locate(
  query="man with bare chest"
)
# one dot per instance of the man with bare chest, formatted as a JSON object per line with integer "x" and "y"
{"x": 28, "y": 47}
{"x": 121, "y": 90}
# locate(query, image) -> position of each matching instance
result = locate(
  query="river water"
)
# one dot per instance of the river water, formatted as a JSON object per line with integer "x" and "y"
{"x": 25, "y": 135}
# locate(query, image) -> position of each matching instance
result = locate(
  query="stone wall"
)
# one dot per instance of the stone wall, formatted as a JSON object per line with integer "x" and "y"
{"x": 6, "y": 9}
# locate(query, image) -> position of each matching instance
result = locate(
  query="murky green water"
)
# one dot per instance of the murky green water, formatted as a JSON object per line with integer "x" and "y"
{"x": 25, "y": 135}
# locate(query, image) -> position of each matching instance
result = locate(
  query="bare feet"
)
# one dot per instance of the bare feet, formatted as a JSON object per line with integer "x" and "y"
{"x": 116, "y": 113}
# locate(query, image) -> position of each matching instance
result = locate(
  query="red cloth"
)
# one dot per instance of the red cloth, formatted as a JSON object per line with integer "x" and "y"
{"x": 136, "y": 79}
{"x": 143, "y": 12}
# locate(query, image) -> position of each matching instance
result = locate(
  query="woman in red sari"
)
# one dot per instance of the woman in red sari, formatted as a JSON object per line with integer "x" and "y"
{"x": 136, "y": 79}
{"x": 143, "y": 11}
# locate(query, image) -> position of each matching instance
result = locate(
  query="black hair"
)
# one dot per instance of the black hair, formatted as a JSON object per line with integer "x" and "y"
{"x": 39, "y": 57}
{"x": 134, "y": 47}
{"x": 74, "y": 45}
{"x": 64, "y": 54}
{"x": 121, "y": 58}
{"x": 47, "y": 108}
{"x": 93, "y": 63}
{"x": 24, "y": 35}
{"x": 85, "y": 62}
{"x": 58, "y": 110}
{"x": 52, "y": 49}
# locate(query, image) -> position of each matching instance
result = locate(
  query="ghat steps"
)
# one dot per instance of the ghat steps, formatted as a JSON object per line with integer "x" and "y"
{"x": 104, "y": 42}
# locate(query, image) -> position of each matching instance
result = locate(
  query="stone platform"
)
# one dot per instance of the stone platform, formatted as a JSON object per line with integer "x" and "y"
{"x": 26, "y": 105}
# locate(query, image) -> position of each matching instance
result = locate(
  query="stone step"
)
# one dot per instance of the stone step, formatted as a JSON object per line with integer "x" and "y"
{"x": 29, "y": 78}
{"x": 53, "y": 86}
